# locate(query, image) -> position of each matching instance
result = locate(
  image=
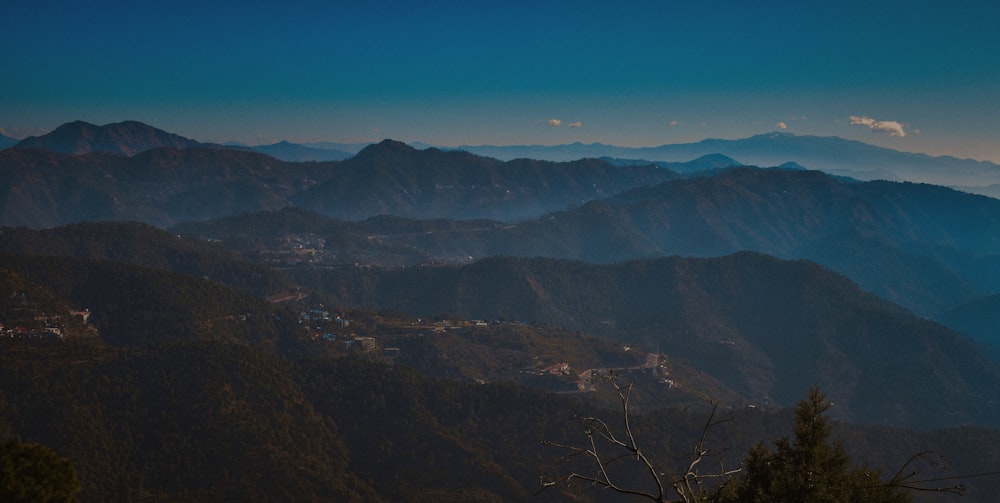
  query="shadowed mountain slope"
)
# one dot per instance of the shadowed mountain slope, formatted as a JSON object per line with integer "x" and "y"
{"x": 928, "y": 248}
{"x": 147, "y": 246}
{"x": 394, "y": 178}
{"x": 165, "y": 186}
{"x": 766, "y": 328}
{"x": 160, "y": 186}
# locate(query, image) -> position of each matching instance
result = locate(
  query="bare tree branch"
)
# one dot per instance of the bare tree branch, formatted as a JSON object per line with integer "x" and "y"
{"x": 906, "y": 476}
{"x": 688, "y": 487}
{"x": 683, "y": 486}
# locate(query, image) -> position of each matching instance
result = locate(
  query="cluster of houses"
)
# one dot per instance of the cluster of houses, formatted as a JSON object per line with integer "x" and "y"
{"x": 657, "y": 363}
{"x": 334, "y": 327}
{"x": 298, "y": 250}
{"x": 39, "y": 327}
{"x": 322, "y": 324}
{"x": 23, "y": 332}
{"x": 312, "y": 251}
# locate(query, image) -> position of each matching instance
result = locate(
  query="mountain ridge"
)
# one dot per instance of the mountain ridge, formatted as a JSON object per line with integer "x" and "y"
{"x": 126, "y": 138}
{"x": 195, "y": 384}
{"x": 167, "y": 185}
{"x": 293, "y": 152}
{"x": 827, "y": 153}
{"x": 927, "y": 247}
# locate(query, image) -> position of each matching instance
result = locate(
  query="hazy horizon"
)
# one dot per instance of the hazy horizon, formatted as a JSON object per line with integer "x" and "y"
{"x": 914, "y": 76}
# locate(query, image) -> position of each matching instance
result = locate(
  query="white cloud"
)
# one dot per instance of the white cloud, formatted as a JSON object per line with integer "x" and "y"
{"x": 863, "y": 121}
{"x": 781, "y": 125}
{"x": 673, "y": 123}
{"x": 555, "y": 122}
{"x": 575, "y": 124}
{"x": 892, "y": 127}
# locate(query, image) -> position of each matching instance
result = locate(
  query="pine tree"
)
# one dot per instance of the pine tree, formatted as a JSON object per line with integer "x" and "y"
{"x": 33, "y": 473}
{"x": 808, "y": 468}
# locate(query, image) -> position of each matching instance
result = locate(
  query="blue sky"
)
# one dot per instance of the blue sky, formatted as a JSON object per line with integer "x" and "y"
{"x": 915, "y": 76}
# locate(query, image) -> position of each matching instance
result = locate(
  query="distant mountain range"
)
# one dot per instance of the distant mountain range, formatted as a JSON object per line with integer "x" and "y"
{"x": 928, "y": 248}
{"x": 130, "y": 138}
{"x": 167, "y": 185}
{"x": 830, "y": 154}
{"x": 180, "y": 317}
{"x": 352, "y": 148}
{"x": 301, "y": 153}
{"x": 394, "y": 178}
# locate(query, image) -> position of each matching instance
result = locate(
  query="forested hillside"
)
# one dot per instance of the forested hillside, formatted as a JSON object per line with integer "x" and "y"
{"x": 430, "y": 325}
{"x": 201, "y": 421}
{"x": 930, "y": 249}
{"x": 180, "y": 388}
{"x": 765, "y": 327}
{"x": 147, "y": 246}
{"x": 165, "y": 186}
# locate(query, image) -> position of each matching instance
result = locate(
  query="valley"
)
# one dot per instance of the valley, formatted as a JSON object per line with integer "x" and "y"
{"x": 409, "y": 324}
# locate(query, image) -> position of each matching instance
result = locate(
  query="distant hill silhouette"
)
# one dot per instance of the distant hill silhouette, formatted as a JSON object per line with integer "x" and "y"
{"x": 705, "y": 163}
{"x": 300, "y": 153}
{"x": 393, "y": 178}
{"x": 167, "y": 185}
{"x": 830, "y": 154}
{"x": 125, "y": 138}
{"x": 7, "y": 141}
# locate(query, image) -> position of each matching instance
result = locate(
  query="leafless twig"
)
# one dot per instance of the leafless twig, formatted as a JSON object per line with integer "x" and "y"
{"x": 600, "y": 435}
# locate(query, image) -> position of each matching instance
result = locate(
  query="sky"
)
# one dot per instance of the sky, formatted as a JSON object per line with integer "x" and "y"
{"x": 911, "y": 75}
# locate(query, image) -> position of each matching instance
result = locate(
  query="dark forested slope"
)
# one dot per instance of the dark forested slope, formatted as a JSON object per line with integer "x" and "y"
{"x": 133, "y": 305}
{"x": 206, "y": 394}
{"x": 765, "y": 327}
{"x": 147, "y": 246}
